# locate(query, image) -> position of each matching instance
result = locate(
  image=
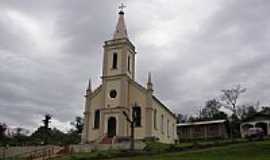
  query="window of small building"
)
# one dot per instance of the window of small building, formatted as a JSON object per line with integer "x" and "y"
{"x": 173, "y": 129}
{"x": 168, "y": 128}
{"x": 114, "y": 64}
{"x": 97, "y": 119}
{"x": 212, "y": 127}
{"x": 162, "y": 123}
{"x": 137, "y": 116}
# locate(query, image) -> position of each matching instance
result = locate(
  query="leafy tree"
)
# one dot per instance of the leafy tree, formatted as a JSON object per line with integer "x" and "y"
{"x": 20, "y": 137}
{"x": 211, "y": 111}
{"x": 78, "y": 124}
{"x": 55, "y": 137}
{"x": 246, "y": 110}
{"x": 193, "y": 119}
{"x": 47, "y": 121}
{"x": 265, "y": 110}
{"x": 3, "y": 136}
{"x": 3, "y": 128}
{"x": 181, "y": 118}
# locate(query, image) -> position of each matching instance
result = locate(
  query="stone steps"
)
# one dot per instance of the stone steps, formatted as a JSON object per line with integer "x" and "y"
{"x": 106, "y": 140}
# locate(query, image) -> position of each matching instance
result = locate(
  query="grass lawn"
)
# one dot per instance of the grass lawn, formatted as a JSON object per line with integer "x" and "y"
{"x": 246, "y": 151}
{"x": 242, "y": 151}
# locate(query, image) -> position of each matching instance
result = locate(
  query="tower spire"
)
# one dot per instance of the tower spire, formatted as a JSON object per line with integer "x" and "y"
{"x": 89, "y": 87}
{"x": 121, "y": 29}
{"x": 149, "y": 82}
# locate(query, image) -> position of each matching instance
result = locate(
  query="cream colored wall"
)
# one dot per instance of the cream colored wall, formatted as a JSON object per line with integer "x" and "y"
{"x": 109, "y": 55}
{"x": 123, "y": 50}
{"x": 125, "y": 62}
{"x": 110, "y": 85}
{"x": 96, "y": 102}
{"x": 138, "y": 96}
{"x": 157, "y": 132}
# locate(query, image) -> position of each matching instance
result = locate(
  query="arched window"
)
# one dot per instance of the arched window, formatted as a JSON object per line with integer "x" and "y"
{"x": 97, "y": 119}
{"x": 173, "y": 129}
{"x": 155, "y": 119}
{"x": 114, "y": 64}
{"x": 136, "y": 111}
{"x": 162, "y": 124}
{"x": 168, "y": 128}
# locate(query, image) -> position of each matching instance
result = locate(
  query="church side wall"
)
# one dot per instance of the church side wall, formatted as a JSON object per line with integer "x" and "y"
{"x": 168, "y": 133}
{"x": 97, "y": 102}
{"x": 109, "y": 86}
{"x": 138, "y": 96}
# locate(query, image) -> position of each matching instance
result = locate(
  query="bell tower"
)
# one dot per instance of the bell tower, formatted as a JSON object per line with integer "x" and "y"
{"x": 119, "y": 53}
{"x": 118, "y": 65}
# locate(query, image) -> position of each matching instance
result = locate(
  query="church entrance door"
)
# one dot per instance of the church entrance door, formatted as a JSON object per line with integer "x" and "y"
{"x": 111, "y": 127}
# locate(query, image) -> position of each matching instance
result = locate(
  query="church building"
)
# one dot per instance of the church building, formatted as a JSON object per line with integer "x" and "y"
{"x": 119, "y": 98}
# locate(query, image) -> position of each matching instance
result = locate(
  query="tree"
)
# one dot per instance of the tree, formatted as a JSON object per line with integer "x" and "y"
{"x": 78, "y": 124}
{"x": 265, "y": 110}
{"x": 132, "y": 122}
{"x": 20, "y": 137}
{"x": 3, "y": 128}
{"x": 181, "y": 118}
{"x": 74, "y": 135}
{"x": 56, "y": 137}
{"x": 47, "y": 121}
{"x": 246, "y": 110}
{"x": 230, "y": 97}
{"x": 211, "y": 110}
{"x": 46, "y": 129}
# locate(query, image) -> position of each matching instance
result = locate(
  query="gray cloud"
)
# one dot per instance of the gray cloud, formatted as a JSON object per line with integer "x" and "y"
{"x": 48, "y": 50}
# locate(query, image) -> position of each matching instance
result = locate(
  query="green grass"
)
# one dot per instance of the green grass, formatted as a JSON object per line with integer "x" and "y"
{"x": 242, "y": 151}
{"x": 245, "y": 151}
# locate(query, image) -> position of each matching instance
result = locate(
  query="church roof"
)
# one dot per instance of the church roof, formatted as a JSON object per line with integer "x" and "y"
{"x": 121, "y": 29}
{"x": 166, "y": 108}
{"x": 154, "y": 97}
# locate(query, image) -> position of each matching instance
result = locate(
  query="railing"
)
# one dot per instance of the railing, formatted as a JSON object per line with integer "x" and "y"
{"x": 43, "y": 153}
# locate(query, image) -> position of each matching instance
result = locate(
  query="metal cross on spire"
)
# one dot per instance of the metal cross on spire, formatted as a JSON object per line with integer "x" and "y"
{"x": 121, "y": 7}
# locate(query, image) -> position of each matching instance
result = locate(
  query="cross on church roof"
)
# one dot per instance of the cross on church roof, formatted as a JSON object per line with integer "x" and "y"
{"x": 121, "y": 7}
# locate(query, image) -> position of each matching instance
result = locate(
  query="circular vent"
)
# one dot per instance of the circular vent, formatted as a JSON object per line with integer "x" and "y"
{"x": 113, "y": 93}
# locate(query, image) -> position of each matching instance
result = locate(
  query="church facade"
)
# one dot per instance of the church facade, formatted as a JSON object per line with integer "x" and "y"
{"x": 120, "y": 97}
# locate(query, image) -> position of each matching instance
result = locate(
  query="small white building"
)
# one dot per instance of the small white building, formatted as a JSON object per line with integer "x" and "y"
{"x": 202, "y": 130}
{"x": 259, "y": 120}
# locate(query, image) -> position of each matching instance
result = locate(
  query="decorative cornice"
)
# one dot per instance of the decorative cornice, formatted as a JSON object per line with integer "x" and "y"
{"x": 121, "y": 41}
{"x": 95, "y": 92}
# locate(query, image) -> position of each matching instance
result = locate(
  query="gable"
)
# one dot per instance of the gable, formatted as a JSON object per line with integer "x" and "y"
{"x": 137, "y": 94}
{"x": 156, "y": 100}
{"x": 97, "y": 98}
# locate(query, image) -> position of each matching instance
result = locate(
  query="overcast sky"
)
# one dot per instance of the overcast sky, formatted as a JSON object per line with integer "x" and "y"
{"x": 194, "y": 48}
